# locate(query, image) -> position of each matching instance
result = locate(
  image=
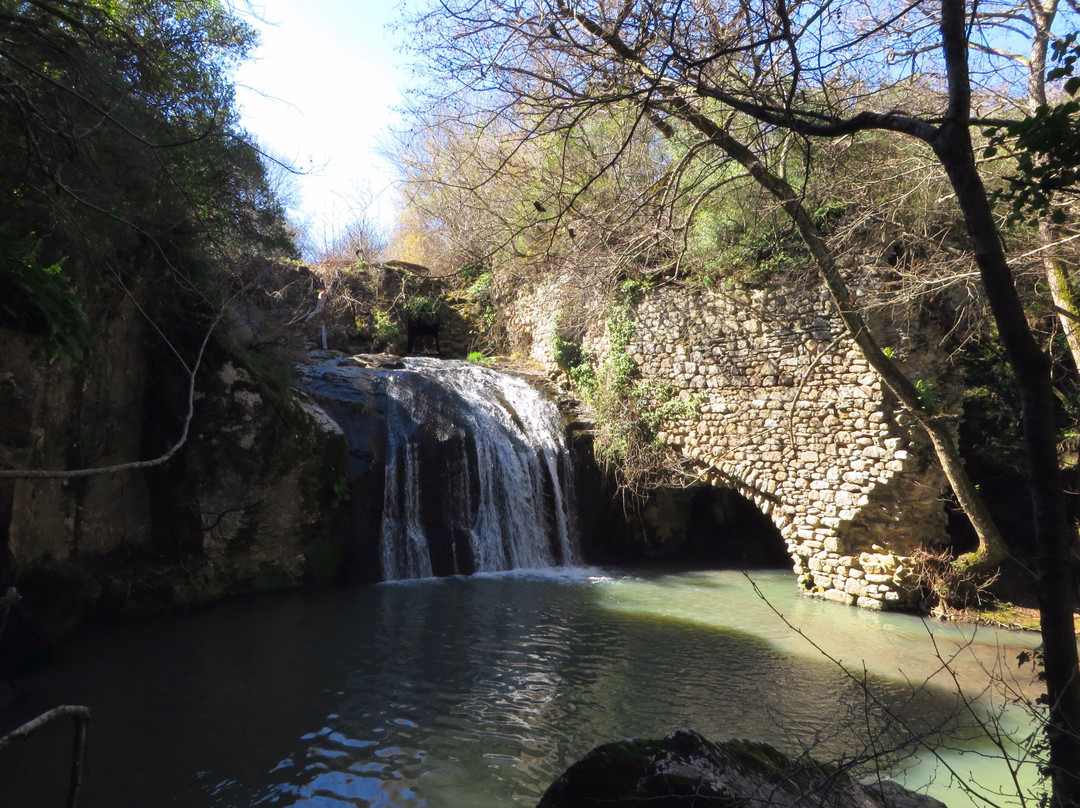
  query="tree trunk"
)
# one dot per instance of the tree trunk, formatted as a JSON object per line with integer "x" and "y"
{"x": 992, "y": 548}
{"x": 1031, "y": 368}
{"x": 82, "y": 718}
{"x": 1061, "y": 290}
{"x": 951, "y": 141}
{"x": 1043, "y": 13}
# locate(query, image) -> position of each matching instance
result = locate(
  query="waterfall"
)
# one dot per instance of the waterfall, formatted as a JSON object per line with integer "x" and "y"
{"x": 477, "y": 473}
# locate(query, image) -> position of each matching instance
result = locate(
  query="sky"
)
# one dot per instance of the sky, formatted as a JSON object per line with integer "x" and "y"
{"x": 320, "y": 92}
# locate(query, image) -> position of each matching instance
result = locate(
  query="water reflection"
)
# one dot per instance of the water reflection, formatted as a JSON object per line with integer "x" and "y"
{"x": 479, "y": 691}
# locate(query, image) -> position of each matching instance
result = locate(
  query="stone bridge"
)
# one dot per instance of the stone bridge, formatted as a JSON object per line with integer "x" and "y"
{"x": 791, "y": 417}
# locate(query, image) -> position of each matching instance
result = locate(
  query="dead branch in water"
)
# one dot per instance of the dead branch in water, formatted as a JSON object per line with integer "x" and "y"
{"x": 82, "y": 719}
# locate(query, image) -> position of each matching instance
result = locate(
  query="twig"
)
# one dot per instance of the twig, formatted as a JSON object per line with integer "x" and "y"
{"x": 66, "y": 474}
{"x": 918, "y": 739}
{"x": 82, "y": 719}
{"x": 1047, "y": 247}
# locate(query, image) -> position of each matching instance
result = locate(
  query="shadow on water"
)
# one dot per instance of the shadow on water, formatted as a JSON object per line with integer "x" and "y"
{"x": 450, "y": 692}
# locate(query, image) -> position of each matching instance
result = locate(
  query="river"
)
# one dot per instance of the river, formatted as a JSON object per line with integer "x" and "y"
{"x": 479, "y": 691}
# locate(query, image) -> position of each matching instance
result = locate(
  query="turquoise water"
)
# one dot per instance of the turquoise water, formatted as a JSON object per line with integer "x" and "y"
{"x": 479, "y": 691}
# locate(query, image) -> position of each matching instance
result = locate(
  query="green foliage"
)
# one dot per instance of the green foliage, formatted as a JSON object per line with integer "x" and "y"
{"x": 421, "y": 309}
{"x": 37, "y": 298}
{"x": 340, "y": 492}
{"x": 326, "y": 555}
{"x": 384, "y": 326}
{"x": 632, "y": 291}
{"x": 274, "y": 376}
{"x": 1070, "y": 434}
{"x": 122, "y": 150}
{"x": 929, "y": 395}
{"x": 478, "y": 358}
{"x": 826, "y": 215}
{"x": 1048, "y": 155}
{"x": 271, "y": 578}
{"x": 1065, "y": 52}
{"x": 737, "y": 237}
{"x": 990, "y": 408}
{"x": 620, "y": 365}
{"x": 1047, "y": 147}
{"x": 629, "y": 414}
{"x": 481, "y": 312}
{"x": 569, "y": 354}
{"x": 577, "y": 361}
{"x": 480, "y": 285}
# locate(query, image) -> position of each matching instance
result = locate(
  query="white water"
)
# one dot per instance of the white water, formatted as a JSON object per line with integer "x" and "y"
{"x": 477, "y": 465}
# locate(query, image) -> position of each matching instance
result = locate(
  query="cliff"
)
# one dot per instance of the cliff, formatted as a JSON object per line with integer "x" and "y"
{"x": 247, "y": 503}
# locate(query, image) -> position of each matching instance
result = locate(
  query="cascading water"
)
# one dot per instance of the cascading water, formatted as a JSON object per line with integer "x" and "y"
{"x": 477, "y": 473}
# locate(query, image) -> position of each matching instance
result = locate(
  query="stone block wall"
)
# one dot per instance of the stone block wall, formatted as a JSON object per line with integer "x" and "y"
{"x": 792, "y": 417}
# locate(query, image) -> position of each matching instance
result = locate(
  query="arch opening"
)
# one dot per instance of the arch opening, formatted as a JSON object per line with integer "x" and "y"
{"x": 717, "y": 527}
{"x": 729, "y": 530}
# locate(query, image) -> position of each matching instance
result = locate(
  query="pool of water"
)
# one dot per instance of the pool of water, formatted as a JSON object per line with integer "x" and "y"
{"x": 479, "y": 691}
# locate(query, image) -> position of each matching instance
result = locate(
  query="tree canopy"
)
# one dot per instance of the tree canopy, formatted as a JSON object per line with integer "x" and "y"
{"x": 123, "y": 155}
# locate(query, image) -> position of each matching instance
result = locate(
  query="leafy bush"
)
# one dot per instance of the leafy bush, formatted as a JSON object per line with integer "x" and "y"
{"x": 384, "y": 328}
{"x": 38, "y": 299}
{"x": 421, "y": 309}
{"x": 480, "y": 286}
{"x": 629, "y": 415}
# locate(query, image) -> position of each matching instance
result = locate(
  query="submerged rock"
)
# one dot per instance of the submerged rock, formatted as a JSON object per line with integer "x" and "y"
{"x": 686, "y": 769}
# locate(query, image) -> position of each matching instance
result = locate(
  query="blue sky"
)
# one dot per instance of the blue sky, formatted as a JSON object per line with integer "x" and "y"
{"x": 320, "y": 91}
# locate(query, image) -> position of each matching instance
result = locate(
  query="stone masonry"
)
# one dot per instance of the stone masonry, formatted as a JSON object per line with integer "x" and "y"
{"x": 792, "y": 417}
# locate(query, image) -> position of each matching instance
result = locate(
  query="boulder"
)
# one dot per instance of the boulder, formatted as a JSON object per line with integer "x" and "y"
{"x": 685, "y": 769}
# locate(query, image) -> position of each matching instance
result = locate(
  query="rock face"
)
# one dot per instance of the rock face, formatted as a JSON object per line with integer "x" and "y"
{"x": 785, "y": 411}
{"x": 684, "y": 769}
{"x": 244, "y": 506}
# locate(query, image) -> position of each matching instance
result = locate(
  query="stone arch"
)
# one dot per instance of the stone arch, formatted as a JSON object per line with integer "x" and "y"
{"x": 785, "y": 409}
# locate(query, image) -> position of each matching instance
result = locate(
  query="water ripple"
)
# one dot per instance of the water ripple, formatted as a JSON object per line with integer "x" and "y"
{"x": 471, "y": 692}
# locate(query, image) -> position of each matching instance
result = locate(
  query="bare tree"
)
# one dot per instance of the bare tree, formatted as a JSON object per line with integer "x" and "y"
{"x": 358, "y": 235}
{"x": 1009, "y": 46}
{"x": 738, "y": 73}
{"x": 634, "y": 82}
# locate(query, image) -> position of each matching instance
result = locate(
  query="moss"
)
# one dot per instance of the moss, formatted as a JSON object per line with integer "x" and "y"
{"x": 209, "y": 594}
{"x": 756, "y": 757}
{"x": 1004, "y": 614}
{"x": 325, "y": 555}
{"x": 56, "y": 599}
{"x": 274, "y": 374}
{"x": 687, "y": 769}
{"x": 271, "y": 577}
{"x": 59, "y": 581}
